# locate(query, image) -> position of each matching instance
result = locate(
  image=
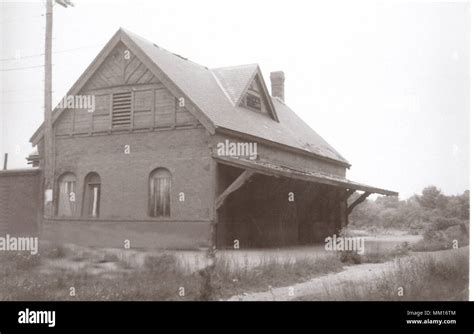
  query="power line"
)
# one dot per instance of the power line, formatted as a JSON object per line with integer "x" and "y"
{"x": 25, "y": 67}
{"x": 23, "y": 57}
{"x": 35, "y": 99}
{"x": 42, "y": 54}
{"x": 21, "y": 101}
{"x": 21, "y": 18}
{"x": 20, "y": 68}
{"x": 21, "y": 90}
{"x": 79, "y": 48}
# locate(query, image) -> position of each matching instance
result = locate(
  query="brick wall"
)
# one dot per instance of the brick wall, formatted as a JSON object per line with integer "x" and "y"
{"x": 125, "y": 184}
{"x": 125, "y": 177}
{"x": 20, "y": 201}
{"x": 139, "y": 234}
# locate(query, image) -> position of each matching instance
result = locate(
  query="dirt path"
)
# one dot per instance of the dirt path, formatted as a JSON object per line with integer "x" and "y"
{"x": 354, "y": 274}
{"x": 351, "y": 273}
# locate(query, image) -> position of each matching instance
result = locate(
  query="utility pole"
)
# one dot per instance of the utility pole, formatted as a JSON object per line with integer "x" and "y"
{"x": 5, "y": 162}
{"x": 48, "y": 135}
{"x": 48, "y": 164}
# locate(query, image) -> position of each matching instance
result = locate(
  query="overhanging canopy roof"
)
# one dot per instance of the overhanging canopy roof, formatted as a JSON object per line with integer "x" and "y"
{"x": 271, "y": 169}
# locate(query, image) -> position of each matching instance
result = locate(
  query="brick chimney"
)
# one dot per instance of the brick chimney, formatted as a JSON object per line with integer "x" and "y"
{"x": 278, "y": 84}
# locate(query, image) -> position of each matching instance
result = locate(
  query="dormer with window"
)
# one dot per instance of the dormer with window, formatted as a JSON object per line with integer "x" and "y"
{"x": 256, "y": 99}
{"x": 244, "y": 87}
{"x": 252, "y": 98}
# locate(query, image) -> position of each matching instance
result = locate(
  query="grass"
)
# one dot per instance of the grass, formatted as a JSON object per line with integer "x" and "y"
{"x": 439, "y": 241}
{"x": 56, "y": 252}
{"x": 160, "y": 277}
{"x": 226, "y": 280}
{"x": 377, "y": 255}
{"x": 421, "y": 278}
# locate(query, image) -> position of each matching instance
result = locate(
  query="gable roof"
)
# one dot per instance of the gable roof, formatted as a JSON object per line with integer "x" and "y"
{"x": 213, "y": 95}
{"x": 235, "y": 79}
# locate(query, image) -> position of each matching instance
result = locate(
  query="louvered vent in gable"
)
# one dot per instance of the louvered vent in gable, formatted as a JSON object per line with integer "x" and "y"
{"x": 121, "y": 109}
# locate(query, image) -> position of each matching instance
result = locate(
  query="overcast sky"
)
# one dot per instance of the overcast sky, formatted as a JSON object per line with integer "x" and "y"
{"x": 386, "y": 84}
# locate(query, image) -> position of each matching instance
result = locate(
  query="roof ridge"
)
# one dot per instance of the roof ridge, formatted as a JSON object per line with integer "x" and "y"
{"x": 219, "y": 83}
{"x": 234, "y": 66}
{"x": 128, "y": 32}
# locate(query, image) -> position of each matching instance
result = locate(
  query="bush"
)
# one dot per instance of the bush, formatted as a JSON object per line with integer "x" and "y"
{"x": 349, "y": 257}
{"x": 55, "y": 252}
{"x": 431, "y": 208}
{"x": 443, "y": 233}
{"x": 442, "y": 223}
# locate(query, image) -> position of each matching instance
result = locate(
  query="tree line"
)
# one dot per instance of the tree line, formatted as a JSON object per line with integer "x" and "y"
{"x": 430, "y": 210}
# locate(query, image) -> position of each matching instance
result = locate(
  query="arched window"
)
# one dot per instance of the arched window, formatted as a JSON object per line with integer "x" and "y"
{"x": 91, "y": 206}
{"x": 67, "y": 195}
{"x": 159, "y": 193}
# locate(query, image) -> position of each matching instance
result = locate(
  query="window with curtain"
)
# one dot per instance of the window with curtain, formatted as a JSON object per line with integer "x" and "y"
{"x": 159, "y": 193}
{"x": 67, "y": 195}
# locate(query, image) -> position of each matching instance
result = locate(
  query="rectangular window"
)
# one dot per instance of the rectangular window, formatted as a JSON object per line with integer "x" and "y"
{"x": 254, "y": 102}
{"x": 121, "y": 109}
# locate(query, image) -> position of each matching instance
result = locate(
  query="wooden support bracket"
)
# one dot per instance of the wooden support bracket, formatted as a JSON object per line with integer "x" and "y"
{"x": 346, "y": 194}
{"x": 238, "y": 182}
{"x": 357, "y": 202}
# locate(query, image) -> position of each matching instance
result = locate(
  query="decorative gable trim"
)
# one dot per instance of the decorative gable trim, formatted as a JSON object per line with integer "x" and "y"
{"x": 120, "y": 68}
{"x": 191, "y": 106}
{"x": 266, "y": 96}
{"x": 121, "y": 36}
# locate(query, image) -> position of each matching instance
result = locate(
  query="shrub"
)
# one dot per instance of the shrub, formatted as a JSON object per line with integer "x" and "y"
{"x": 55, "y": 252}
{"x": 349, "y": 257}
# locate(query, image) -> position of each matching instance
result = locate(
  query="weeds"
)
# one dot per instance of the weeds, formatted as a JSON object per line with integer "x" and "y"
{"x": 160, "y": 277}
{"x": 377, "y": 256}
{"x": 419, "y": 278}
{"x": 228, "y": 279}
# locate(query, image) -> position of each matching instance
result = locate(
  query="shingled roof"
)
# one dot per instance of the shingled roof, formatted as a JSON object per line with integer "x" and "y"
{"x": 216, "y": 92}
